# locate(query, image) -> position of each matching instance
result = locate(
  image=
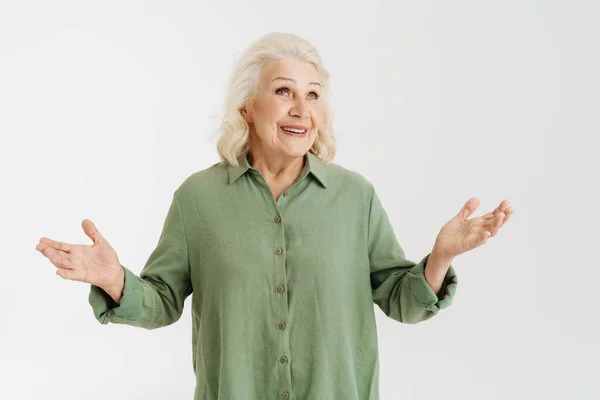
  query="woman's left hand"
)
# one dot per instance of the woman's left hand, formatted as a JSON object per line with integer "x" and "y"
{"x": 460, "y": 234}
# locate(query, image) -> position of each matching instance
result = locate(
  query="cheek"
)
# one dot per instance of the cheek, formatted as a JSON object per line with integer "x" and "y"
{"x": 318, "y": 117}
{"x": 271, "y": 109}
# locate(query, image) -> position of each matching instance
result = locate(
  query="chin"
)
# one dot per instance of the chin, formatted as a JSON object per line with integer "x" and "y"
{"x": 295, "y": 152}
{"x": 295, "y": 147}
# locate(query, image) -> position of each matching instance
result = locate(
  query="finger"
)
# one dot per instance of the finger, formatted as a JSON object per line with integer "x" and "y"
{"x": 469, "y": 207}
{"x": 66, "y": 247}
{"x": 478, "y": 222}
{"x": 41, "y": 247}
{"x": 502, "y": 207}
{"x": 59, "y": 258}
{"x": 495, "y": 226}
{"x": 508, "y": 213}
{"x": 489, "y": 215}
{"x": 90, "y": 229}
{"x": 69, "y": 274}
{"x": 503, "y": 204}
{"x": 489, "y": 223}
{"x": 485, "y": 235}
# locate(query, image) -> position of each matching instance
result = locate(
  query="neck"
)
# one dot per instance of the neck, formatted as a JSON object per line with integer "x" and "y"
{"x": 276, "y": 168}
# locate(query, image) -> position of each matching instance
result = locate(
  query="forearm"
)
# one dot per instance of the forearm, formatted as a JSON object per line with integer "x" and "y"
{"x": 436, "y": 269}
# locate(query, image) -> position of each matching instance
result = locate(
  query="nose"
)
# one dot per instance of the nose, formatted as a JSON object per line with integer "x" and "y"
{"x": 300, "y": 109}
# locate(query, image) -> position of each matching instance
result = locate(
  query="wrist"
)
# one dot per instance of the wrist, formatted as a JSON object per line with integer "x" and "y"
{"x": 117, "y": 283}
{"x": 437, "y": 264}
{"x": 439, "y": 255}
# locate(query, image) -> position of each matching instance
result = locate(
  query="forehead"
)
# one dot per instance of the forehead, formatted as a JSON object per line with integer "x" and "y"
{"x": 302, "y": 72}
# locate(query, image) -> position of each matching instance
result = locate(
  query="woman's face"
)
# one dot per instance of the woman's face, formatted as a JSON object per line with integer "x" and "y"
{"x": 287, "y": 98}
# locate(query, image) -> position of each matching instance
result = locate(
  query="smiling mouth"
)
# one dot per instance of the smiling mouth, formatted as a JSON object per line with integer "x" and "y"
{"x": 293, "y": 131}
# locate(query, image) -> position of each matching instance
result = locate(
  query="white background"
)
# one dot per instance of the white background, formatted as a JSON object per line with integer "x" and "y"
{"x": 106, "y": 107}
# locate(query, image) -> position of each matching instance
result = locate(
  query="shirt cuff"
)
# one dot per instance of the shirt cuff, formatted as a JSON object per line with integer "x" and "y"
{"x": 129, "y": 308}
{"x": 425, "y": 294}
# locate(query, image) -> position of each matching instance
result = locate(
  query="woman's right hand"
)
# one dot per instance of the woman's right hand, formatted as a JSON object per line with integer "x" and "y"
{"x": 96, "y": 264}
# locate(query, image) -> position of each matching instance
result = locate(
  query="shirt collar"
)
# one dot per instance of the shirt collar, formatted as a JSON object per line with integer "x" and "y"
{"x": 312, "y": 164}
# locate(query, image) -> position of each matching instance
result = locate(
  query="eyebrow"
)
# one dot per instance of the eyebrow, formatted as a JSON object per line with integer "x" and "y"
{"x": 293, "y": 80}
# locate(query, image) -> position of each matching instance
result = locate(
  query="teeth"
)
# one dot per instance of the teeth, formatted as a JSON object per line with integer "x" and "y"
{"x": 294, "y": 130}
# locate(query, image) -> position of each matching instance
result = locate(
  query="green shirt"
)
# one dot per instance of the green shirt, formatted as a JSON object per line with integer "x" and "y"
{"x": 283, "y": 290}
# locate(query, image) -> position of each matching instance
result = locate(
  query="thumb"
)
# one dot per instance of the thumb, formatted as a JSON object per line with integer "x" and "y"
{"x": 469, "y": 208}
{"x": 90, "y": 229}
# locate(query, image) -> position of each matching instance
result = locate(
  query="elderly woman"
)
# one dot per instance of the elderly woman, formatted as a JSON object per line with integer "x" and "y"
{"x": 284, "y": 251}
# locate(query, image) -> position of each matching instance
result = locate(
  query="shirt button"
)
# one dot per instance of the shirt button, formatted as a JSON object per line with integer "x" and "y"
{"x": 278, "y": 251}
{"x": 280, "y": 289}
{"x": 283, "y": 360}
{"x": 285, "y": 193}
{"x": 281, "y": 326}
{"x": 285, "y": 395}
{"x": 277, "y": 219}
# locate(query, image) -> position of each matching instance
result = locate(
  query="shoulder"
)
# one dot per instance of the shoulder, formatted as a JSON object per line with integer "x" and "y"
{"x": 348, "y": 187}
{"x": 347, "y": 178}
{"x": 198, "y": 182}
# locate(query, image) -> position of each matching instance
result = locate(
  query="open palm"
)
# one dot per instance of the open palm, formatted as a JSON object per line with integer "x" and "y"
{"x": 461, "y": 234}
{"x": 95, "y": 264}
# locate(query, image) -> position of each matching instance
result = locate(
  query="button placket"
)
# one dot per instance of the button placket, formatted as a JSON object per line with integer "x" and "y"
{"x": 281, "y": 287}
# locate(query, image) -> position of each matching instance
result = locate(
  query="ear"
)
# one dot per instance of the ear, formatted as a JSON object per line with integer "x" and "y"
{"x": 246, "y": 115}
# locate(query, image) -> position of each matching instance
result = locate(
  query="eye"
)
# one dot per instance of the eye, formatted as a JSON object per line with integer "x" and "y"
{"x": 285, "y": 90}
{"x": 279, "y": 91}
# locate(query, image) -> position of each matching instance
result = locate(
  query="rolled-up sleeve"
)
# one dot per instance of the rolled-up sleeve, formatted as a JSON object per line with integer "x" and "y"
{"x": 398, "y": 285}
{"x": 156, "y": 297}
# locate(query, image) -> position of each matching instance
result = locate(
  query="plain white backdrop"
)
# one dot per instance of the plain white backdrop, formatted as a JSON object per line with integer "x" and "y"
{"x": 106, "y": 107}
